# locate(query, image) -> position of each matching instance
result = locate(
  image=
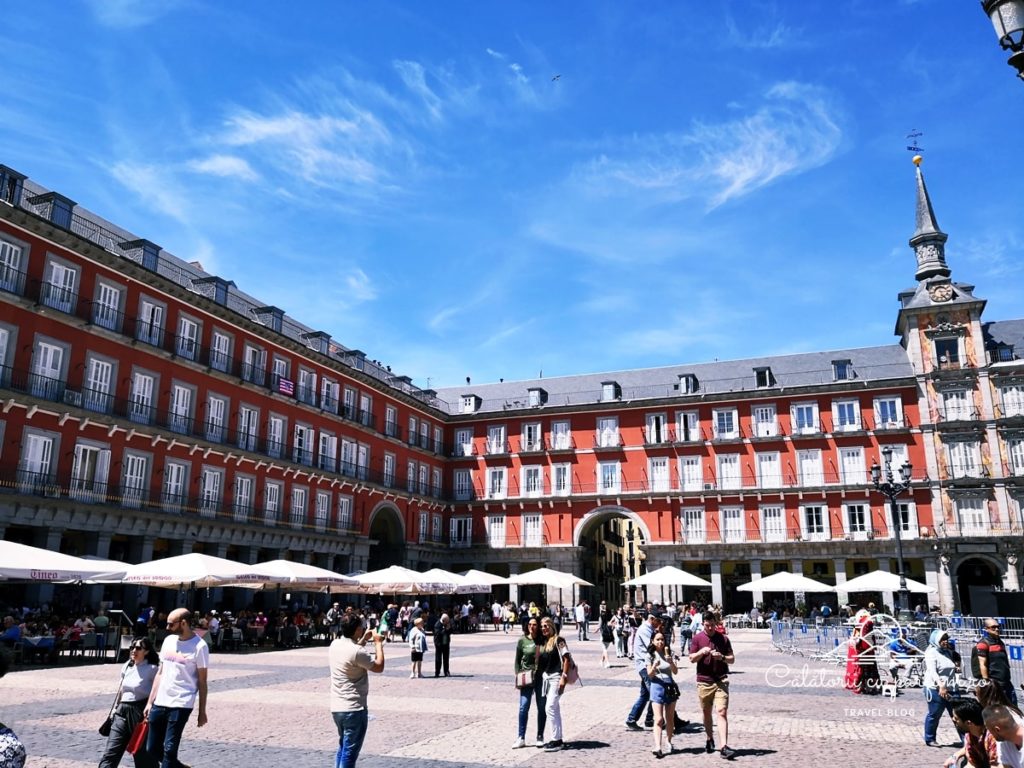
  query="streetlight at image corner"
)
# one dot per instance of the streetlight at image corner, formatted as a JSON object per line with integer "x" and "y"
{"x": 1007, "y": 17}
{"x": 886, "y": 484}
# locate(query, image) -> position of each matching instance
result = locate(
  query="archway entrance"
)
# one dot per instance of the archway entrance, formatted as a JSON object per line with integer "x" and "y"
{"x": 611, "y": 546}
{"x": 974, "y": 581}
{"x": 387, "y": 531}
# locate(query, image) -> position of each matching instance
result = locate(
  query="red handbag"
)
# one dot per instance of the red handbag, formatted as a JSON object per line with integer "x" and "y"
{"x": 138, "y": 740}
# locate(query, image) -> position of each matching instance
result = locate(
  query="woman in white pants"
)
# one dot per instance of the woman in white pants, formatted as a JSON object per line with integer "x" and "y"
{"x": 553, "y": 662}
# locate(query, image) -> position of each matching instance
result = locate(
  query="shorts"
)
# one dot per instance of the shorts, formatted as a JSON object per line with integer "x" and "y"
{"x": 713, "y": 693}
{"x": 660, "y": 694}
{"x": 417, "y": 655}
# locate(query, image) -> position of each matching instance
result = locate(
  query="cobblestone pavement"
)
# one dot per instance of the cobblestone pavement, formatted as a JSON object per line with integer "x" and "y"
{"x": 271, "y": 709}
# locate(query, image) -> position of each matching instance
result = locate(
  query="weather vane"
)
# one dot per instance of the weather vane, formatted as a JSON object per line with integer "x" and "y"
{"x": 913, "y": 137}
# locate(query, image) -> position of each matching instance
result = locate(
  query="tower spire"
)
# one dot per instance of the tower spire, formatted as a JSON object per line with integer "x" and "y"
{"x": 928, "y": 241}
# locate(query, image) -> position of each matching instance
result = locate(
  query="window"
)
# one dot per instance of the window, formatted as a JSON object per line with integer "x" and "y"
{"x": 363, "y": 462}
{"x": 814, "y": 522}
{"x": 964, "y": 459}
{"x": 438, "y": 440}
{"x": 424, "y": 488}
{"x": 809, "y": 467}
{"x": 532, "y": 531}
{"x": 496, "y": 439}
{"x": 729, "y": 471}
{"x": 328, "y": 454}
{"x": 302, "y": 445}
{"x": 691, "y": 473}
{"x": 280, "y": 371}
{"x": 496, "y": 531}
{"x": 390, "y": 421}
{"x": 254, "y": 365}
{"x": 906, "y": 515}
{"x": 59, "y": 290}
{"x": 349, "y": 407}
{"x": 97, "y": 395}
{"x": 216, "y": 419}
{"x": 220, "y": 351}
{"x": 496, "y": 488}
{"x": 561, "y": 479}
{"x": 47, "y": 378}
{"x": 329, "y": 394}
{"x": 856, "y": 518}
{"x": 435, "y": 482}
{"x": 322, "y": 511}
{"x": 149, "y": 328}
{"x": 531, "y": 437}
{"x": 140, "y": 407}
{"x": 134, "y": 480}
{"x": 348, "y": 460}
{"x": 461, "y": 531}
{"x": 726, "y": 425}
{"x": 693, "y": 526}
{"x": 11, "y": 274}
{"x": 248, "y": 427}
{"x": 608, "y": 477}
{"x": 842, "y": 370}
{"x": 765, "y": 422}
{"x": 89, "y": 473}
{"x": 174, "y": 494}
{"x": 608, "y": 432}
{"x": 947, "y": 352}
{"x": 5, "y": 344}
{"x": 1012, "y": 398}
{"x": 688, "y": 384}
{"x": 537, "y": 397}
{"x": 410, "y": 472}
{"x": 186, "y": 344}
{"x": 956, "y": 405}
{"x": 209, "y": 491}
{"x": 180, "y": 417}
{"x": 851, "y": 466}
{"x": 463, "y": 480}
{"x": 660, "y": 478}
{"x": 763, "y": 378}
{"x": 344, "y": 513}
{"x": 464, "y": 442}
{"x": 689, "y": 427}
{"x": 244, "y": 487}
{"x": 275, "y": 436}
{"x": 468, "y": 403}
{"x": 298, "y": 510}
{"x": 561, "y": 436}
{"x": 805, "y": 418}
{"x": 656, "y": 429}
{"x": 424, "y": 527}
{"x": 846, "y": 415}
{"x": 107, "y": 309}
{"x": 533, "y": 481}
{"x": 435, "y": 526}
{"x": 733, "y": 527}
{"x": 610, "y": 391}
{"x": 389, "y": 470}
{"x": 888, "y": 412}
{"x": 773, "y": 523}
{"x": 35, "y": 471}
{"x": 973, "y": 515}
{"x": 271, "y": 503}
{"x": 769, "y": 470}
{"x": 366, "y": 412}
{"x": 1015, "y": 450}
{"x": 306, "y": 392}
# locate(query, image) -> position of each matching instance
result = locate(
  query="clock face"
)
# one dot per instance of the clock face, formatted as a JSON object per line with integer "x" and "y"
{"x": 942, "y": 292}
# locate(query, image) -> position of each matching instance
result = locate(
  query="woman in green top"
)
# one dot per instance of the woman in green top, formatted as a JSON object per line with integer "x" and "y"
{"x": 526, "y": 661}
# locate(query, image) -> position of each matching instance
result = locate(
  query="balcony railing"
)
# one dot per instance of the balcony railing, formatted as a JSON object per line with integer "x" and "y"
{"x": 949, "y": 415}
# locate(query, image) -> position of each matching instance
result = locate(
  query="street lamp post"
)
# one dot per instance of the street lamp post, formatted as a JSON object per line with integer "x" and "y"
{"x": 1007, "y": 18}
{"x": 891, "y": 489}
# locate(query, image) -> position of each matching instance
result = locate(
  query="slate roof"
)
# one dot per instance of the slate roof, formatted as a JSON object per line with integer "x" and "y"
{"x": 1005, "y": 332}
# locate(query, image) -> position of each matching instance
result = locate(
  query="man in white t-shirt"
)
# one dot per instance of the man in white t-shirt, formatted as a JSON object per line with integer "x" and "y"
{"x": 350, "y": 685}
{"x": 181, "y": 679}
{"x": 1008, "y": 730}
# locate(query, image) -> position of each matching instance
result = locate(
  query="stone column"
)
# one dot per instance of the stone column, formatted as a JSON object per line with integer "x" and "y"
{"x": 755, "y": 575}
{"x": 842, "y": 596}
{"x": 49, "y": 539}
{"x": 98, "y": 545}
{"x": 513, "y": 589}
{"x": 1011, "y": 579}
{"x": 947, "y": 601}
{"x": 716, "y": 582}
{"x": 140, "y": 550}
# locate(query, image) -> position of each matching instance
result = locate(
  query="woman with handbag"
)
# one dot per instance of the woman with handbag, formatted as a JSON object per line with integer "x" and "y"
{"x": 529, "y": 682}
{"x": 137, "y": 677}
{"x": 664, "y": 691}
{"x": 554, "y": 664}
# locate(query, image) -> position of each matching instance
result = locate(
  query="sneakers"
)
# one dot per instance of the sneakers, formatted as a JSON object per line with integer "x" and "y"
{"x": 554, "y": 745}
{"x": 657, "y": 753}
{"x": 633, "y": 725}
{"x": 519, "y": 743}
{"x": 728, "y": 754}
{"x": 709, "y": 746}
{"x": 671, "y": 748}
{"x": 539, "y": 742}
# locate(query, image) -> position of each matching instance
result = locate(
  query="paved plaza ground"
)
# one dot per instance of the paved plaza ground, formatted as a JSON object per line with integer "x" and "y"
{"x": 271, "y": 709}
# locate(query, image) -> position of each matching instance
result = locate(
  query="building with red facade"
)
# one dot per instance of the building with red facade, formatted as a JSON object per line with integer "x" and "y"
{"x": 151, "y": 409}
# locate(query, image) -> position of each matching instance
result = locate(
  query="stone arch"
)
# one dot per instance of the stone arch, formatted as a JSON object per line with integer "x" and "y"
{"x": 977, "y": 570}
{"x": 598, "y": 515}
{"x": 387, "y": 530}
{"x": 382, "y": 508}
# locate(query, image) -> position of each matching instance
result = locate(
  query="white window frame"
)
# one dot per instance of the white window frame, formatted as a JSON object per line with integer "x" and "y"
{"x": 464, "y": 441}
{"x": 1011, "y": 400}
{"x": 656, "y": 429}
{"x": 298, "y": 510}
{"x": 344, "y": 513}
{"x": 807, "y": 474}
{"x": 846, "y": 415}
{"x": 273, "y": 492}
{"x": 496, "y": 439}
{"x": 725, "y": 423}
{"x": 461, "y": 531}
{"x": 733, "y": 524}
{"x": 659, "y": 473}
{"x": 187, "y": 340}
{"x": 322, "y": 511}
{"x": 730, "y": 471}
{"x": 217, "y": 409}
{"x": 531, "y": 436}
{"x": 561, "y": 435}
{"x": 220, "y": 350}
{"x": 243, "y": 494}
{"x": 497, "y": 483}
{"x": 134, "y": 479}
{"x": 496, "y": 532}
{"x": 692, "y": 527}
{"x": 964, "y": 458}
{"x": 691, "y": 473}
{"x": 533, "y": 529}
{"x": 174, "y": 488}
{"x": 809, "y": 532}
{"x": 892, "y": 417}
{"x": 764, "y": 420}
{"x": 803, "y": 423}
{"x": 89, "y": 471}
{"x": 773, "y": 522}
{"x": 561, "y": 479}
{"x": 532, "y": 481}
{"x": 769, "y": 469}
{"x": 973, "y": 516}
{"x": 609, "y": 477}
{"x": 688, "y": 427}
{"x": 211, "y": 485}
{"x": 607, "y": 431}
{"x": 856, "y": 532}
{"x": 462, "y": 481}
{"x": 852, "y": 466}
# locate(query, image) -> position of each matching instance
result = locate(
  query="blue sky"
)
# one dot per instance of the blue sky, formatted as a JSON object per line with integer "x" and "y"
{"x": 701, "y": 181}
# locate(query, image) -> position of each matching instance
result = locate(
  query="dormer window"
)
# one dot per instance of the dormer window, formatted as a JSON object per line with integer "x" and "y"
{"x": 764, "y": 378}
{"x": 469, "y": 403}
{"x": 537, "y": 397}
{"x": 688, "y": 384}
{"x": 610, "y": 391}
{"x": 842, "y": 370}
{"x": 1003, "y": 353}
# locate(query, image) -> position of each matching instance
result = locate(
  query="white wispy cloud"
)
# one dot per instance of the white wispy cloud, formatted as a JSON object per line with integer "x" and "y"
{"x": 225, "y": 166}
{"x": 360, "y": 287}
{"x": 768, "y": 36}
{"x": 128, "y": 14}
{"x": 155, "y": 186}
{"x": 414, "y": 77}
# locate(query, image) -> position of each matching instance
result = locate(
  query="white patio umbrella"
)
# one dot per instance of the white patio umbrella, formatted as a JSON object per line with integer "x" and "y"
{"x": 881, "y": 581}
{"x": 784, "y": 581}
{"x": 669, "y": 576}
{"x": 397, "y": 580}
{"x": 192, "y": 569}
{"x": 483, "y": 580}
{"x": 25, "y": 563}
{"x": 452, "y": 582}
{"x": 286, "y": 573}
{"x": 549, "y": 577}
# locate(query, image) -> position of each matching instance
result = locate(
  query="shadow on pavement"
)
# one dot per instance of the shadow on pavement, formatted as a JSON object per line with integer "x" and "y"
{"x": 586, "y": 745}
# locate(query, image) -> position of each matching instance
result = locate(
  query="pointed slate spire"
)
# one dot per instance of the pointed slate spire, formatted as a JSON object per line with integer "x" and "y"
{"x": 928, "y": 242}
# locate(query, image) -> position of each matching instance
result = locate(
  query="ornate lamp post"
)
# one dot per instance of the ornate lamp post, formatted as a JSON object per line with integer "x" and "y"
{"x": 891, "y": 489}
{"x": 1007, "y": 18}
